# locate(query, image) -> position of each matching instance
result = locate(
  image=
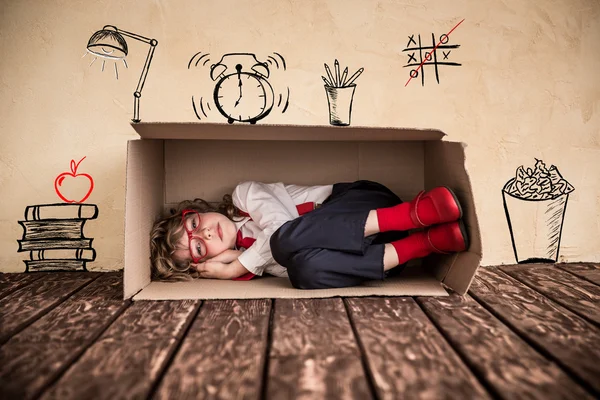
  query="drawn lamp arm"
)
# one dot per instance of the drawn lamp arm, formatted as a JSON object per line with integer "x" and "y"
{"x": 110, "y": 43}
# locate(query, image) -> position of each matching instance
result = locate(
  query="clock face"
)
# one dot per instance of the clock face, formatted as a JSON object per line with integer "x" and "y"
{"x": 243, "y": 97}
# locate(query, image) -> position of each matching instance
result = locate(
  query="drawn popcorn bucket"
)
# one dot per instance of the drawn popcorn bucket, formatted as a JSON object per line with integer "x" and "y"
{"x": 535, "y": 225}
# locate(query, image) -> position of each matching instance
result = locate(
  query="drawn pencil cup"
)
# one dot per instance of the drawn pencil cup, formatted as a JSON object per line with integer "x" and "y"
{"x": 535, "y": 202}
{"x": 340, "y": 94}
{"x": 340, "y": 104}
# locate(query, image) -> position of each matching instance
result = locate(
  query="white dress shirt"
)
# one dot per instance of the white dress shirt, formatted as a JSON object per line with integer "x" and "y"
{"x": 270, "y": 205}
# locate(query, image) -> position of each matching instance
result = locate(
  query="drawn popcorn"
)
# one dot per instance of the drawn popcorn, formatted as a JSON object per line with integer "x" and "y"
{"x": 535, "y": 201}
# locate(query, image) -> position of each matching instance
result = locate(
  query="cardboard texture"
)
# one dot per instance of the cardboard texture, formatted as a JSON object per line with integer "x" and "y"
{"x": 405, "y": 160}
{"x": 409, "y": 284}
{"x": 445, "y": 164}
{"x": 143, "y": 203}
{"x": 157, "y": 130}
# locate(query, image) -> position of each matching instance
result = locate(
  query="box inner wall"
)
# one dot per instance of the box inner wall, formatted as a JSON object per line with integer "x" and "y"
{"x": 208, "y": 169}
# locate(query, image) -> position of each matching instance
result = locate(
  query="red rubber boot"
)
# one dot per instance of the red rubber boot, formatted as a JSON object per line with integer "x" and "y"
{"x": 447, "y": 238}
{"x": 437, "y": 206}
{"x": 443, "y": 239}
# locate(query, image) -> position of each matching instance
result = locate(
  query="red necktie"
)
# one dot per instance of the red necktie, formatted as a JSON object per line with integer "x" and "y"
{"x": 242, "y": 241}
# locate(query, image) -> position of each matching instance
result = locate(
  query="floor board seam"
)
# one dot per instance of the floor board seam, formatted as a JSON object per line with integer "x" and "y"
{"x": 21, "y": 327}
{"x": 465, "y": 360}
{"x": 19, "y": 287}
{"x": 370, "y": 378}
{"x": 87, "y": 345}
{"x": 577, "y": 275}
{"x": 265, "y": 380}
{"x": 555, "y": 302}
{"x": 533, "y": 345}
{"x": 179, "y": 339}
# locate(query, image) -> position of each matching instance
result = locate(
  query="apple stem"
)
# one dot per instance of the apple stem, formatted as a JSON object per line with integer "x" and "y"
{"x": 75, "y": 166}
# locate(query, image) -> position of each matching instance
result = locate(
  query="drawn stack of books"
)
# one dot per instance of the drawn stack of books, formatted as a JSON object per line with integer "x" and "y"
{"x": 53, "y": 236}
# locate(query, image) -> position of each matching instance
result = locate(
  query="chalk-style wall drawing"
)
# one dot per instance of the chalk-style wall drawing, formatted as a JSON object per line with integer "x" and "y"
{"x": 109, "y": 44}
{"x": 53, "y": 236}
{"x": 242, "y": 91}
{"x": 74, "y": 192}
{"x": 340, "y": 93}
{"x": 53, "y": 233}
{"x": 431, "y": 57}
{"x": 535, "y": 201}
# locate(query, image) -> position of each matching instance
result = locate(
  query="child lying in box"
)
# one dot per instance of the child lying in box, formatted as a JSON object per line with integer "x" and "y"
{"x": 327, "y": 236}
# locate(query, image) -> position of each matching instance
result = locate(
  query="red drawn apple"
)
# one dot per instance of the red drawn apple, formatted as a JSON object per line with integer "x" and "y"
{"x": 74, "y": 187}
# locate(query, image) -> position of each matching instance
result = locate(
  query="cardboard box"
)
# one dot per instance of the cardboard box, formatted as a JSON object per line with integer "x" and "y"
{"x": 405, "y": 160}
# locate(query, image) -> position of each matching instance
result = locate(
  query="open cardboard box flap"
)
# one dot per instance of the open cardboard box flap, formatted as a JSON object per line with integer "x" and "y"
{"x": 405, "y": 160}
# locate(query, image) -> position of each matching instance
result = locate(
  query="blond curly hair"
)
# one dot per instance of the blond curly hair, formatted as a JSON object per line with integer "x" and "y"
{"x": 167, "y": 232}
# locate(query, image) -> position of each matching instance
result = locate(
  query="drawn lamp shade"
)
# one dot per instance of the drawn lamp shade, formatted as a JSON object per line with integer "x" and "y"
{"x": 110, "y": 43}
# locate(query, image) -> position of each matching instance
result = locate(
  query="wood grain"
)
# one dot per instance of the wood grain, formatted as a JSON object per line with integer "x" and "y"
{"x": 22, "y": 307}
{"x": 575, "y": 294}
{"x": 128, "y": 358}
{"x": 74, "y": 337}
{"x": 314, "y": 353}
{"x": 38, "y": 355}
{"x": 407, "y": 356}
{"x": 511, "y": 369}
{"x": 223, "y": 354}
{"x": 591, "y": 272}
{"x": 12, "y": 282}
{"x": 569, "y": 339}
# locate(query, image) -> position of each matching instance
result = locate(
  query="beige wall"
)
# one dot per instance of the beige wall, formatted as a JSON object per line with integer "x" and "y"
{"x": 528, "y": 88}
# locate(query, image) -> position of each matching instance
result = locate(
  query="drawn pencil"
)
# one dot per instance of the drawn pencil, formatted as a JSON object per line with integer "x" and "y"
{"x": 344, "y": 75}
{"x": 356, "y": 75}
{"x": 328, "y": 73}
{"x": 326, "y": 81}
{"x": 336, "y": 63}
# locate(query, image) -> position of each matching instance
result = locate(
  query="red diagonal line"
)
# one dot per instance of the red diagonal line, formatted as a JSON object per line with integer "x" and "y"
{"x": 431, "y": 52}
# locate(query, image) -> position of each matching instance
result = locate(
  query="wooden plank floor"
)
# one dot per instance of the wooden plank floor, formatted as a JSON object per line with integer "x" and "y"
{"x": 523, "y": 331}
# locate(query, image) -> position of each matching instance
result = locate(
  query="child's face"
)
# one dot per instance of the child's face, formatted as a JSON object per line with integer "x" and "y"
{"x": 217, "y": 232}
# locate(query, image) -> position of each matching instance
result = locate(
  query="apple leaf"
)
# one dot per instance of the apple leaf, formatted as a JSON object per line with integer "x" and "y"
{"x": 77, "y": 165}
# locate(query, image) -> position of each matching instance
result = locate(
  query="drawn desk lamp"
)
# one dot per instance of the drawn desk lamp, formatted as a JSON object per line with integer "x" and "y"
{"x": 110, "y": 43}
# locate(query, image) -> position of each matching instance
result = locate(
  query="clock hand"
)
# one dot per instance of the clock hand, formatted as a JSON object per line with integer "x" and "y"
{"x": 239, "y": 71}
{"x": 239, "y": 98}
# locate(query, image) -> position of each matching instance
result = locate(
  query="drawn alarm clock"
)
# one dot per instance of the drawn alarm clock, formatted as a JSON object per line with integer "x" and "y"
{"x": 243, "y": 95}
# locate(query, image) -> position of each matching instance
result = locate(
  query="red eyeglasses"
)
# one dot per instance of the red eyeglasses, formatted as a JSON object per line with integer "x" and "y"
{"x": 191, "y": 221}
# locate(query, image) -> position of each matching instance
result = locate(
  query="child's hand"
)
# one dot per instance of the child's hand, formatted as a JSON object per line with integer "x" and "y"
{"x": 219, "y": 270}
{"x": 227, "y": 256}
{"x": 212, "y": 269}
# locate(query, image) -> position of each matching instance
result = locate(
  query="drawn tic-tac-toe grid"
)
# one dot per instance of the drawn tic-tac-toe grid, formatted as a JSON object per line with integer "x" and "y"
{"x": 437, "y": 54}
